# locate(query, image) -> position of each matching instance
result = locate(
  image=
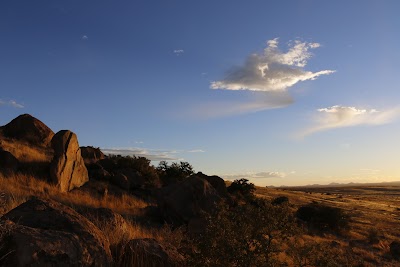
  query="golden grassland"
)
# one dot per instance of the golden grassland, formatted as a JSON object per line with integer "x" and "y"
{"x": 374, "y": 211}
{"x": 374, "y": 214}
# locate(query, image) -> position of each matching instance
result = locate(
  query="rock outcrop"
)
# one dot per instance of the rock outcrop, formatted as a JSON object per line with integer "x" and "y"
{"x": 29, "y": 129}
{"x": 47, "y": 233}
{"x": 67, "y": 168}
{"x": 8, "y": 163}
{"x": 187, "y": 200}
{"x": 217, "y": 182}
{"x": 91, "y": 154}
{"x": 148, "y": 252}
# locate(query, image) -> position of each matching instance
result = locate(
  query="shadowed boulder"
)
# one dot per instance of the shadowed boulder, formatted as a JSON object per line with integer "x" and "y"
{"x": 8, "y": 162}
{"x": 48, "y": 233}
{"x": 67, "y": 168}
{"x": 217, "y": 182}
{"x": 91, "y": 154}
{"x": 29, "y": 129}
{"x": 187, "y": 200}
{"x": 106, "y": 218}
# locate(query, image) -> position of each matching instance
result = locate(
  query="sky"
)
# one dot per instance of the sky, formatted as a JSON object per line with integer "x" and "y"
{"x": 279, "y": 92}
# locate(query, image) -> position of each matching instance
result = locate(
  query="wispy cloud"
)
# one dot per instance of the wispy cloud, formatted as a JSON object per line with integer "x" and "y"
{"x": 256, "y": 102}
{"x": 255, "y": 175}
{"x": 342, "y": 116}
{"x": 178, "y": 52}
{"x": 273, "y": 70}
{"x": 196, "y": 151}
{"x": 85, "y": 37}
{"x": 11, "y": 103}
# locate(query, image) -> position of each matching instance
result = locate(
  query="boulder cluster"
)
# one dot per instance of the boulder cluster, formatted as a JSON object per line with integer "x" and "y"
{"x": 44, "y": 232}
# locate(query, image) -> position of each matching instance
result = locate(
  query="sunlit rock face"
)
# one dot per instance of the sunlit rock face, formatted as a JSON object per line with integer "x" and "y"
{"x": 67, "y": 168}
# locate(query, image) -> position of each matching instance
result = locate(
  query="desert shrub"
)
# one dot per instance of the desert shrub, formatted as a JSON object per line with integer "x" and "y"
{"x": 141, "y": 165}
{"x": 324, "y": 217}
{"x": 242, "y": 188}
{"x": 280, "y": 200}
{"x": 244, "y": 235}
{"x": 176, "y": 172}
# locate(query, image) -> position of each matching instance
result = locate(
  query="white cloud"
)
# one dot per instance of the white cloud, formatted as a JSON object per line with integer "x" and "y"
{"x": 342, "y": 116}
{"x": 11, "y": 103}
{"x": 178, "y": 52}
{"x": 255, "y": 175}
{"x": 85, "y": 37}
{"x": 273, "y": 70}
{"x": 151, "y": 154}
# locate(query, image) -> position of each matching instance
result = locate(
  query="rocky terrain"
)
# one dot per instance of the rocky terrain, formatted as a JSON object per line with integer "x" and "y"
{"x": 66, "y": 205}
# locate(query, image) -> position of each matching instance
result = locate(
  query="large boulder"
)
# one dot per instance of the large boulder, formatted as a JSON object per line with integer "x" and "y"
{"x": 67, "y": 168}
{"x": 47, "y": 233}
{"x": 91, "y": 154}
{"x": 8, "y": 162}
{"x": 148, "y": 252}
{"x": 29, "y": 129}
{"x": 217, "y": 182}
{"x": 187, "y": 200}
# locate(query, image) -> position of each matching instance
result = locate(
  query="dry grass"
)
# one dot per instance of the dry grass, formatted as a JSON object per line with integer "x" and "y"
{"x": 17, "y": 188}
{"x": 20, "y": 187}
{"x": 25, "y": 152}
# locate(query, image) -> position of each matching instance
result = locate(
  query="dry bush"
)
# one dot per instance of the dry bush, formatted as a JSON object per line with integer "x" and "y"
{"x": 244, "y": 235}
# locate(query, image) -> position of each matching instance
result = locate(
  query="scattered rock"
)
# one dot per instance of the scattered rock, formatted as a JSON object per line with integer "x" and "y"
{"x": 91, "y": 154}
{"x": 395, "y": 249}
{"x": 148, "y": 252}
{"x": 67, "y": 168}
{"x": 29, "y": 129}
{"x": 48, "y": 233}
{"x": 8, "y": 162}
{"x": 188, "y": 199}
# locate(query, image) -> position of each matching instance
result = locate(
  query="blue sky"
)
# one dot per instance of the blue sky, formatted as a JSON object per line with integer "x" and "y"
{"x": 280, "y": 92}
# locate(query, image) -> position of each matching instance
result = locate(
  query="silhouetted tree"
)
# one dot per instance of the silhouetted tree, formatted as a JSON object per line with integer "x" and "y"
{"x": 242, "y": 187}
{"x": 175, "y": 172}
